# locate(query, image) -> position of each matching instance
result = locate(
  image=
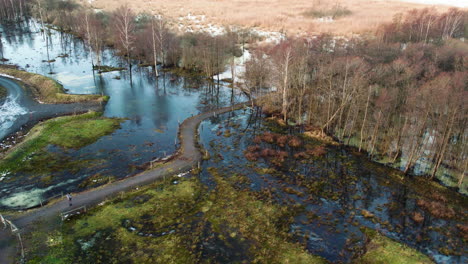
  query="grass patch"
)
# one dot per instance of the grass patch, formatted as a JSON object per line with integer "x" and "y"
{"x": 46, "y": 89}
{"x": 67, "y": 132}
{"x": 335, "y": 12}
{"x": 384, "y": 250}
{"x": 104, "y": 68}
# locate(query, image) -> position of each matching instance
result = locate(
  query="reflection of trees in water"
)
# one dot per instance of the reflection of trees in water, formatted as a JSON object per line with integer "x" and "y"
{"x": 354, "y": 184}
{"x": 1, "y": 47}
{"x": 49, "y": 47}
{"x": 18, "y": 32}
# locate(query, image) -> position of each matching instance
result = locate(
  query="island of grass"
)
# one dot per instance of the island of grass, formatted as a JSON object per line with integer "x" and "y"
{"x": 383, "y": 250}
{"x": 70, "y": 132}
{"x": 105, "y": 68}
{"x": 46, "y": 89}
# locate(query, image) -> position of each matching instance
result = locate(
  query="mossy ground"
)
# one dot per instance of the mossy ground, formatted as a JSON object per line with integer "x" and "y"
{"x": 176, "y": 223}
{"x": 383, "y": 250}
{"x": 66, "y": 132}
{"x": 46, "y": 89}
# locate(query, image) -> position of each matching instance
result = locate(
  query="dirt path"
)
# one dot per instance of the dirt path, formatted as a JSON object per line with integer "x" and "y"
{"x": 187, "y": 157}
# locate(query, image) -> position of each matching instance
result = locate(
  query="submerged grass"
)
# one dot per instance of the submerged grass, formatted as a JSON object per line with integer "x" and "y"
{"x": 48, "y": 90}
{"x": 382, "y": 249}
{"x": 67, "y": 132}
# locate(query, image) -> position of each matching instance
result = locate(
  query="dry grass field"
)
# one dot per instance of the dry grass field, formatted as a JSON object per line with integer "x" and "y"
{"x": 292, "y": 16}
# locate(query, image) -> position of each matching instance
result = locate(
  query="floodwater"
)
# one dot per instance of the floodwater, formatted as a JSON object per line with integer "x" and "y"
{"x": 152, "y": 108}
{"x": 334, "y": 190}
{"x": 11, "y": 108}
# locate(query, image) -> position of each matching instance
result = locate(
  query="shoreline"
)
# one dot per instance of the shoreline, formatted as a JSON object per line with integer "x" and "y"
{"x": 37, "y": 112}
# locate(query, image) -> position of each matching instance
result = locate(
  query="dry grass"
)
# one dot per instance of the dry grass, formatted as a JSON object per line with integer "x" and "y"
{"x": 287, "y": 15}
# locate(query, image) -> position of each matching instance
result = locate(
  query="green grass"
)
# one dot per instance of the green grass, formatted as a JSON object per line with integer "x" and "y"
{"x": 46, "y": 89}
{"x": 71, "y": 132}
{"x": 384, "y": 250}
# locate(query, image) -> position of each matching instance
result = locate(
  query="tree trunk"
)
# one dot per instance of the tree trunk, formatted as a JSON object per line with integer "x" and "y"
{"x": 446, "y": 140}
{"x": 285, "y": 84}
{"x": 365, "y": 118}
{"x": 155, "y": 55}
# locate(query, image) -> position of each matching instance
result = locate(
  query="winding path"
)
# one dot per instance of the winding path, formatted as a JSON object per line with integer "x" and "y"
{"x": 186, "y": 158}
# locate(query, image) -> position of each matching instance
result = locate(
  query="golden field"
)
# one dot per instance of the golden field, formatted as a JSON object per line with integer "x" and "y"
{"x": 274, "y": 15}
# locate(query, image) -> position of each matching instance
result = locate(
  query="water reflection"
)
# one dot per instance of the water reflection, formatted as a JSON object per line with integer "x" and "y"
{"x": 341, "y": 193}
{"x": 152, "y": 107}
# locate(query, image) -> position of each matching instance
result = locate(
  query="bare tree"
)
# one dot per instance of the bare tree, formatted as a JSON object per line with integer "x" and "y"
{"x": 124, "y": 21}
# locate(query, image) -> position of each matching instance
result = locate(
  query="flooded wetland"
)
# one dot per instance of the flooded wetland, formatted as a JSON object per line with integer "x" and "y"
{"x": 264, "y": 191}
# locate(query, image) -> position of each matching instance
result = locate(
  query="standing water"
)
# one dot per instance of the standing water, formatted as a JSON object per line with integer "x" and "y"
{"x": 152, "y": 109}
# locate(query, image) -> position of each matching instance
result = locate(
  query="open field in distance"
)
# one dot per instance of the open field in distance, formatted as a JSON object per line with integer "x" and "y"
{"x": 292, "y": 16}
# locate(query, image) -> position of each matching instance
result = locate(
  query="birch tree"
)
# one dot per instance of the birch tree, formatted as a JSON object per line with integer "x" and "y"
{"x": 124, "y": 22}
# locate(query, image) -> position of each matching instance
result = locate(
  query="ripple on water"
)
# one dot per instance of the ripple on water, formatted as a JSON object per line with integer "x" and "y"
{"x": 9, "y": 112}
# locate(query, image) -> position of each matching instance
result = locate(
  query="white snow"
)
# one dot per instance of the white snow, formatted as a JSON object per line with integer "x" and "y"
{"x": 9, "y": 76}
{"x": 194, "y": 23}
{"x": 197, "y": 23}
{"x": 456, "y": 3}
{"x": 327, "y": 19}
{"x": 272, "y": 37}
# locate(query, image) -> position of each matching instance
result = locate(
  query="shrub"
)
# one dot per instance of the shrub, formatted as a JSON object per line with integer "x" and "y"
{"x": 294, "y": 142}
{"x": 251, "y": 156}
{"x": 282, "y": 140}
{"x": 317, "y": 151}
{"x": 436, "y": 209}
{"x": 335, "y": 12}
{"x": 268, "y": 137}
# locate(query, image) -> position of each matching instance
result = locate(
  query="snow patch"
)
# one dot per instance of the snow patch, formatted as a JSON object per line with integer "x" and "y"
{"x": 197, "y": 23}
{"x": 9, "y": 76}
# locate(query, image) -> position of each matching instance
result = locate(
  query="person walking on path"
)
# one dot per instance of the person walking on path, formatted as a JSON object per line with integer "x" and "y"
{"x": 69, "y": 197}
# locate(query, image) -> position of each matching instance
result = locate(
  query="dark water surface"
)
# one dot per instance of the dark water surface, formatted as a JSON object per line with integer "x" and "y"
{"x": 152, "y": 108}
{"x": 341, "y": 193}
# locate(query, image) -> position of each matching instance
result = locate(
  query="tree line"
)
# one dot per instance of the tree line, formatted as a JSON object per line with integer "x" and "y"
{"x": 401, "y": 96}
{"x": 144, "y": 38}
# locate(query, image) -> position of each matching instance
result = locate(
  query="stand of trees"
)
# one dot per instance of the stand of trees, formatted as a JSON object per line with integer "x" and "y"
{"x": 13, "y": 10}
{"x": 398, "y": 101}
{"x": 143, "y": 38}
